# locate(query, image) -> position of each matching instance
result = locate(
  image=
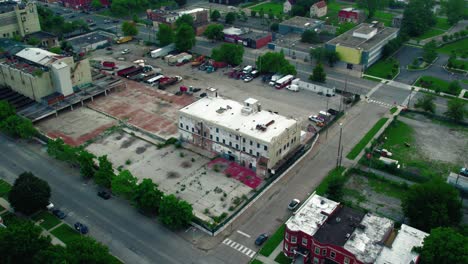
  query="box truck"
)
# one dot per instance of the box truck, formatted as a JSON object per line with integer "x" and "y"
{"x": 161, "y": 52}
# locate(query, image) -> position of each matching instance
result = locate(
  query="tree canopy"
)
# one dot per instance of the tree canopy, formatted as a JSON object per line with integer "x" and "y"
{"x": 454, "y": 10}
{"x": 310, "y": 36}
{"x": 175, "y": 213}
{"x": 6, "y": 110}
{"x": 185, "y": 37}
{"x": 129, "y": 28}
{"x": 343, "y": 27}
{"x": 418, "y": 17}
{"x": 165, "y": 35}
{"x": 184, "y": 19}
{"x": 17, "y": 126}
{"x": 229, "y": 53}
{"x": 432, "y": 204}
{"x": 124, "y": 184}
{"x": 321, "y": 55}
{"x": 86, "y": 162}
{"x": 456, "y": 110}
{"x": 147, "y": 197}
{"x": 275, "y": 62}
{"x": 56, "y": 24}
{"x": 29, "y": 193}
{"x": 87, "y": 250}
{"x": 318, "y": 74}
{"x": 105, "y": 173}
{"x": 230, "y": 18}
{"x": 426, "y": 103}
{"x": 444, "y": 246}
{"x": 215, "y": 15}
{"x": 430, "y": 51}
{"x": 214, "y": 32}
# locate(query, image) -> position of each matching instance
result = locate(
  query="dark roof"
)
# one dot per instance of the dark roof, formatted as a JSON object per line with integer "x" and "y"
{"x": 10, "y": 46}
{"x": 337, "y": 229}
{"x": 254, "y": 35}
{"x": 41, "y": 35}
{"x": 7, "y": 6}
{"x": 292, "y": 2}
{"x": 321, "y": 4}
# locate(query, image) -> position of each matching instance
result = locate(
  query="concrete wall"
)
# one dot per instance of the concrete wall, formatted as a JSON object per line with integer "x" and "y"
{"x": 20, "y": 22}
{"x": 81, "y": 73}
{"x": 34, "y": 87}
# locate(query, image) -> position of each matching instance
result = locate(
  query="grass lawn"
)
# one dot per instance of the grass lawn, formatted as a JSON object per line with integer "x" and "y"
{"x": 442, "y": 23}
{"x": 256, "y": 261}
{"x": 273, "y": 241}
{"x": 393, "y": 110}
{"x": 282, "y": 259}
{"x": 388, "y": 188}
{"x": 460, "y": 64}
{"x": 65, "y": 233}
{"x": 322, "y": 188}
{"x": 459, "y": 47}
{"x": 435, "y": 84}
{"x": 430, "y": 33}
{"x": 49, "y": 220}
{"x": 384, "y": 17}
{"x": 277, "y": 8}
{"x": 5, "y": 188}
{"x": 383, "y": 69}
{"x": 366, "y": 139}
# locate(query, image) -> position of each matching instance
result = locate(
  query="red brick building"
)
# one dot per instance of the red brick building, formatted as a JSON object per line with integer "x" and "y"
{"x": 82, "y": 4}
{"x": 351, "y": 15}
{"x": 200, "y": 18}
{"x": 325, "y": 232}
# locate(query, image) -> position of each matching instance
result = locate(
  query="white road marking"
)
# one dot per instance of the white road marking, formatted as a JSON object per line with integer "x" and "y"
{"x": 241, "y": 248}
{"x": 242, "y": 233}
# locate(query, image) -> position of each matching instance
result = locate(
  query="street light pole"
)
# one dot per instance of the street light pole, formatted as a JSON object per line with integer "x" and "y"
{"x": 339, "y": 146}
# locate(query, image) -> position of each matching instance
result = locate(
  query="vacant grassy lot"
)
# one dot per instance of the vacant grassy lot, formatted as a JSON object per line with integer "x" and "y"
{"x": 442, "y": 23}
{"x": 386, "y": 69}
{"x": 273, "y": 241}
{"x": 435, "y": 84}
{"x": 322, "y": 188}
{"x": 384, "y": 17}
{"x": 366, "y": 139}
{"x": 5, "y": 188}
{"x": 277, "y": 8}
{"x": 459, "y": 47}
{"x": 48, "y": 220}
{"x": 65, "y": 233}
{"x": 430, "y": 33}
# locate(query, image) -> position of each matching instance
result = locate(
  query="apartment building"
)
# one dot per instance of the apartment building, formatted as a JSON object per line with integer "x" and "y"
{"x": 18, "y": 19}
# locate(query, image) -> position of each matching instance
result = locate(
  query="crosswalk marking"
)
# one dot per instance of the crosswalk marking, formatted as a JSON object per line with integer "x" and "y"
{"x": 241, "y": 248}
{"x": 380, "y": 103}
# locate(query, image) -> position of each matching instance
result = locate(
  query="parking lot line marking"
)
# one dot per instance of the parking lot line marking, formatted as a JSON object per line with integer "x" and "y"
{"x": 242, "y": 233}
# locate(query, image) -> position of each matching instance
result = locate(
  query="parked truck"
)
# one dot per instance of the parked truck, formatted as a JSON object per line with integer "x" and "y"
{"x": 182, "y": 57}
{"x": 166, "y": 81}
{"x": 275, "y": 78}
{"x": 125, "y": 39}
{"x": 124, "y": 71}
{"x": 283, "y": 82}
{"x": 161, "y": 52}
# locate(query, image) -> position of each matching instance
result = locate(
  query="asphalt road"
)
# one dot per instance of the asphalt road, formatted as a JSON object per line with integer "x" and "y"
{"x": 132, "y": 237}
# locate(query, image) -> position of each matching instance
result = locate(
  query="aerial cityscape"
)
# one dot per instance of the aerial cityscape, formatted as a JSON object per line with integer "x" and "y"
{"x": 234, "y": 131}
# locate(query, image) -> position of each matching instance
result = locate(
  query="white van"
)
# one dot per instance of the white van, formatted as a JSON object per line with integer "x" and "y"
{"x": 154, "y": 79}
{"x": 247, "y": 69}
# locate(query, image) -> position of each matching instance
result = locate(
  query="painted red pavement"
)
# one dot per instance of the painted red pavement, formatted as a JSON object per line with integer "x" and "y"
{"x": 242, "y": 174}
{"x": 81, "y": 139}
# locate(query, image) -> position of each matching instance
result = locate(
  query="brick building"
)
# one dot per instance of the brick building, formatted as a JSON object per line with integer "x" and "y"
{"x": 351, "y": 15}
{"x": 323, "y": 231}
{"x": 251, "y": 39}
{"x": 82, "y": 4}
{"x": 200, "y": 18}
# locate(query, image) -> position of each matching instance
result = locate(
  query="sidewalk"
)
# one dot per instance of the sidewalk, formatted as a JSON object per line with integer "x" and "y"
{"x": 271, "y": 258}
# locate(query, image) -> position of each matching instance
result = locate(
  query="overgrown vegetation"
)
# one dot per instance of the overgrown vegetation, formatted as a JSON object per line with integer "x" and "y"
{"x": 366, "y": 139}
{"x": 14, "y": 125}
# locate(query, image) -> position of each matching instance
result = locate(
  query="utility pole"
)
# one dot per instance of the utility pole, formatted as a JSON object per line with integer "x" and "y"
{"x": 339, "y": 146}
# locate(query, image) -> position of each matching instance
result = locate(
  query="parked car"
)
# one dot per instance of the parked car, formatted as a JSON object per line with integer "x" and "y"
{"x": 464, "y": 171}
{"x": 59, "y": 213}
{"x": 294, "y": 204}
{"x": 261, "y": 239}
{"x": 89, "y": 20}
{"x": 202, "y": 95}
{"x": 248, "y": 78}
{"x": 83, "y": 229}
{"x": 332, "y": 111}
{"x": 316, "y": 119}
{"x": 104, "y": 194}
{"x": 115, "y": 21}
{"x": 125, "y": 51}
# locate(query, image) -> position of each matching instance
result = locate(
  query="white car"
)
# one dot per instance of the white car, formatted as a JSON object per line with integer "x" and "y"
{"x": 316, "y": 118}
{"x": 248, "y": 78}
{"x": 125, "y": 51}
{"x": 294, "y": 204}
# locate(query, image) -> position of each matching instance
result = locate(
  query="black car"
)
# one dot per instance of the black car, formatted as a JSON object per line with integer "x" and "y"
{"x": 104, "y": 194}
{"x": 58, "y": 213}
{"x": 332, "y": 111}
{"x": 202, "y": 95}
{"x": 83, "y": 229}
{"x": 261, "y": 239}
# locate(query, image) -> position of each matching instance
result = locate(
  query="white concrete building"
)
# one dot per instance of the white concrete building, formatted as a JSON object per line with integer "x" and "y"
{"x": 243, "y": 133}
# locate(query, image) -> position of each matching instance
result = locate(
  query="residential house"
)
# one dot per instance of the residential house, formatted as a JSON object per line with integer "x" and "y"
{"x": 287, "y": 6}
{"x": 351, "y": 15}
{"x": 319, "y": 9}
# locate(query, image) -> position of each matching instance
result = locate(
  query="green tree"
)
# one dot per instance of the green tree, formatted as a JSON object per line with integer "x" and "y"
{"x": 274, "y": 27}
{"x": 215, "y": 15}
{"x": 129, "y": 28}
{"x": 61, "y": 151}
{"x": 261, "y": 13}
{"x": 335, "y": 187}
{"x": 105, "y": 173}
{"x": 6, "y": 110}
{"x": 343, "y": 27}
{"x": 372, "y": 6}
{"x": 87, "y": 250}
{"x": 214, "y": 32}
{"x": 432, "y": 204}
{"x": 17, "y": 126}
{"x": 96, "y": 4}
{"x": 229, "y": 53}
{"x": 50, "y": 255}
{"x": 444, "y": 246}
{"x": 454, "y": 88}
{"x": 253, "y": 13}
{"x": 418, "y": 17}
{"x": 33, "y": 41}
{"x": 332, "y": 57}
{"x": 271, "y": 15}
{"x": 298, "y": 10}
{"x": 318, "y": 74}
{"x": 181, "y": 2}
{"x": 454, "y": 10}
{"x": 124, "y": 184}
{"x": 310, "y": 36}
{"x": 230, "y": 18}
{"x": 430, "y": 51}
{"x": 184, "y": 38}
{"x": 29, "y": 193}
{"x": 175, "y": 213}
{"x": 318, "y": 54}
{"x": 456, "y": 110}
{"x": 165, "y": 35}
{"x": 21, "y": 242}
{"x": 184, "y": 19}
{"x": 86, "y": 161}
{"x": 426, "y": 103}
{"x": 56, "y": 50}
{"x": 147, "y": 197}
{"x": 274, "y": 62}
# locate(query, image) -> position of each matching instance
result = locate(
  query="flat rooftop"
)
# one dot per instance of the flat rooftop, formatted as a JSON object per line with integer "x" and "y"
{"x": 42, "y": 34}
{"x": 401, "y": 250}
{"x": 39, "y": 56}
{"x": 347, "y": 39}
{"x": 312, "y": 214}
{"x": 228, "y": 113}
{"x": 302, "y": 22}
{"x": 88, "y": 39}
{"x": 368, "y": 238}
{"x": 7, "y": 6}
{"x": 339, "y": 227}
